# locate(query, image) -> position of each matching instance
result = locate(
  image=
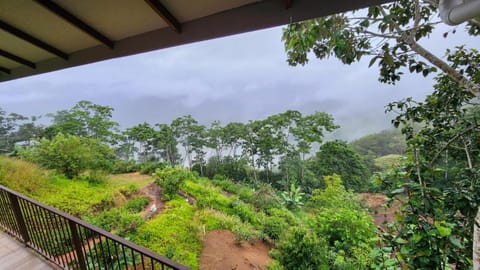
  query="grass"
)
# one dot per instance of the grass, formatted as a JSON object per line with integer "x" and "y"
{"x": 76, "y": 197}
{"x": 173, "y": 234}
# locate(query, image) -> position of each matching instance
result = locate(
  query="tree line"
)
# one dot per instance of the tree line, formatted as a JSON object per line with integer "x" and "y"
{"x": 276, "y": 150}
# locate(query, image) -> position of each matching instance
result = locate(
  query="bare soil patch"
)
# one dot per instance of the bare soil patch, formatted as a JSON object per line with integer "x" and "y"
{"x": 376, "y": 202}
{"x": 221, "y": 253}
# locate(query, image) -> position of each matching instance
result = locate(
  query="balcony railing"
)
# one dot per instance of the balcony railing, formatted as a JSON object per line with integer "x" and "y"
{"x": 69, "y": 242}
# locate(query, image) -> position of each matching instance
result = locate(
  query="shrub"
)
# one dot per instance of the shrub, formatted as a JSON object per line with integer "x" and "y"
{"x": 69, "y": 154}
{"x": 208, "y": 195}
{"x": 302, "y": 250}
{"x": 129, "y": 190}
{"x": 175, "y": 232}
{"x": 274, "y": 227}
{"x": 334, "y": 195}
{"x": 265, "y": 197}
{"x": 150, "y": 167}
{"x": 244, "y": 211}
{"x": 124, "y": 166}
{"x": 117, "y": 220}
{"x": 95, "y": 177}
{"x": 137, "y": 204}
{"x": 345, "y": 228}
{"x": 170, "y": 179}
{"x": 242, "y": 233}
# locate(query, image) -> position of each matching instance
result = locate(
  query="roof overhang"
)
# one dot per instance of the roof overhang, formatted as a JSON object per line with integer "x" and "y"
{"x": 38, "y": 36}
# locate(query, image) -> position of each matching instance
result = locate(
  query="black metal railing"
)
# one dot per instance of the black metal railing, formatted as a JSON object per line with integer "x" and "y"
{"x": 69, "y": 242}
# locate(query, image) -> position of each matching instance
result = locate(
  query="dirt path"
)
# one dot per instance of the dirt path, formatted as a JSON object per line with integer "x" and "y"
{"x": 221, "y": 253}
{"x": 153, "y": 191}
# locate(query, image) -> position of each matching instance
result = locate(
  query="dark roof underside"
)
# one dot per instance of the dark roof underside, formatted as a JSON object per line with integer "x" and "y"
{"x": 38, "y": 36}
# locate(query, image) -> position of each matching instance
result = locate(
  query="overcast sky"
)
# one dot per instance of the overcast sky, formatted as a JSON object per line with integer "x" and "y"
{"x": 237, "y": 78}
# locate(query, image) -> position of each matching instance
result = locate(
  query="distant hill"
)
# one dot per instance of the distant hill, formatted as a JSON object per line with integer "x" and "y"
{"x": 373, "y": 146}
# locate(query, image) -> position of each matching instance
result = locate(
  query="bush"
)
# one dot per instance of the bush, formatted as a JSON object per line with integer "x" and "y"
{"x": 124, "y": 166}
{"x": 170, "y": 180}
{"x": 117, "y": 220}
{"x": 137, "y": 204}
{"x": 150, "y": 167}
{"x": 95, "y": 177}
{"x": 345, "y": 228}
{"x": 207, "y": 195}
{"x": 334, "y": 195}
{"x": 175, "y": 233}
{"x": 70, "y": 155}
{"x": 265, "y": 197}
{"x": 302, "y": 250}
{"x": 129, "y": 190}
{"x": 274, "y": 227}
{"x": 244, "y": 211}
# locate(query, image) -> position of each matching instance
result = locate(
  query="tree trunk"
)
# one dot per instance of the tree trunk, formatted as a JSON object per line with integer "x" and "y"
{"x": 476, "y": 242}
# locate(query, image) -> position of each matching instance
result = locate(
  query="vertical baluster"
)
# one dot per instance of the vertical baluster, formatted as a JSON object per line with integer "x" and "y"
{"x": 19, "y": 218}
{"x": 78, "y": 245}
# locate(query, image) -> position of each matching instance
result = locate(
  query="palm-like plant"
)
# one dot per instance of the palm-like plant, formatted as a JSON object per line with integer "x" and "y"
{"x": 292, "y": 198}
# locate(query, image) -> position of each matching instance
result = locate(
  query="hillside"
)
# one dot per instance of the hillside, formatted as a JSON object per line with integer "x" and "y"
{"x": 205, "y": 221}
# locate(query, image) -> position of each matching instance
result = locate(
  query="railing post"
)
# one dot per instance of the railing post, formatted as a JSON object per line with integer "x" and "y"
{"x": 77, "y": 244}
{"x": 19, "y": 218}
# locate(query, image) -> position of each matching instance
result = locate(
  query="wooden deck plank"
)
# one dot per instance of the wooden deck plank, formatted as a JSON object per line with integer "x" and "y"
{"x": 15, "y": 256}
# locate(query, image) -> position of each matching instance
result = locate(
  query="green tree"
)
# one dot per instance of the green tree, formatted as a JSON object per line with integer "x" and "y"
{"x": 8, "y": 128}
{"x": 337, "y": 157}
{"x": 69, "y": 154}
{"x": 192, "y": 136}
{"x": 166, "y": 142}
{"x": 233, "y": 134}
{"x": 389, "y": 34}
{"x": 439, "y": 177}
{"x": 143, "y": 134}
{"x": 85, "y": 119}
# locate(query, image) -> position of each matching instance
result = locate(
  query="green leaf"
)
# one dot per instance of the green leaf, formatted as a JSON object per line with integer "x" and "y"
{"x": 443, "y": 230}
{"x": 397, "y": 191}
{"x": 372, "y": 61}
{"x": 455, "y": 241}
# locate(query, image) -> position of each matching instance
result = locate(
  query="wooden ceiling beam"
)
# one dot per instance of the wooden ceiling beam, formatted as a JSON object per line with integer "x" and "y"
{"x": 5, "y": 70}
{"x": 72, "y": 19}
{"x": 163, "y": 12}
{"x": 17, "y": 59}
{"x": 37, "y": 42}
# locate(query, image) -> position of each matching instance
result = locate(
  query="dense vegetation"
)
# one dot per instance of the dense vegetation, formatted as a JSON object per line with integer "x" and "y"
{"x": 437, "y": 181}
{"x": 332, "y": 214}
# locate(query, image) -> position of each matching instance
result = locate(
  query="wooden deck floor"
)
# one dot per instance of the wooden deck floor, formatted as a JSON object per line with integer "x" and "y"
{"x": 15, "y": 256}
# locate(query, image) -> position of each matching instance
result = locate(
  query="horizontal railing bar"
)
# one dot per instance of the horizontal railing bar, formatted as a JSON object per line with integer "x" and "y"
{"x": 132, "y": 246}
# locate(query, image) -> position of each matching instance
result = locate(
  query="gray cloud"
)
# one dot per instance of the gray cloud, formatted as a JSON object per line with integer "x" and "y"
{"x": 234, "y": 78}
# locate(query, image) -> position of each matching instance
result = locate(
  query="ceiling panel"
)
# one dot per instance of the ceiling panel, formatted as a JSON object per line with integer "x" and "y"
{"x": 19, "y": 47}
{"x": 116, "y": 19}
{"x": 42, "y": 24}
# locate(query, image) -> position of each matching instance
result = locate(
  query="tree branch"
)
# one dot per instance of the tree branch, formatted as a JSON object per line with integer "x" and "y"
{"x": 439, "y": 152}
{"x": 434, "y": 60}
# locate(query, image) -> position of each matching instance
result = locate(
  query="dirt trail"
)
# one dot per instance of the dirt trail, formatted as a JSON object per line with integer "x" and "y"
{"x": 221, "y": 253}
{"x": 153, "y": 191}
